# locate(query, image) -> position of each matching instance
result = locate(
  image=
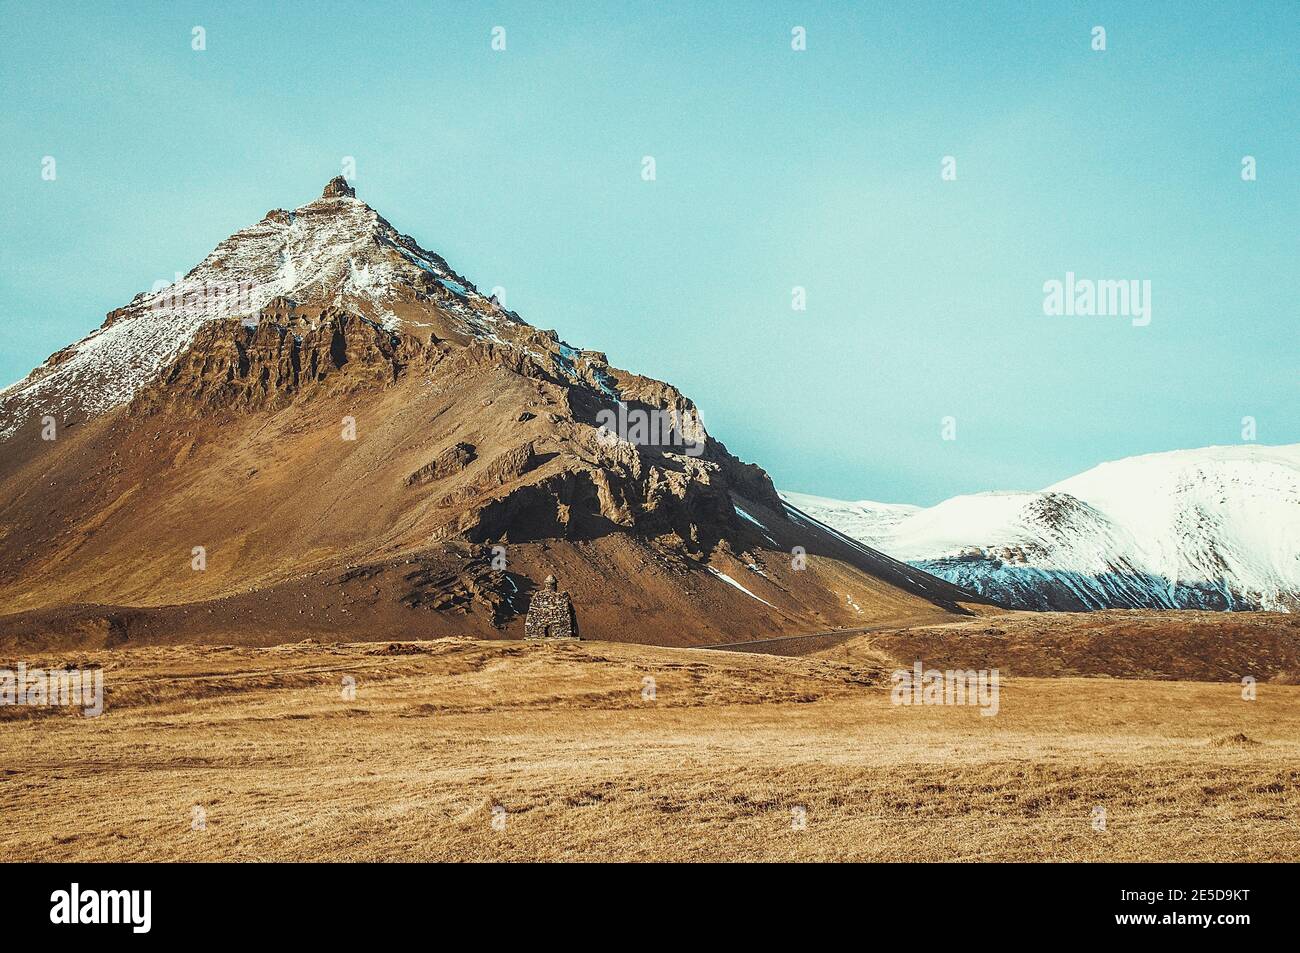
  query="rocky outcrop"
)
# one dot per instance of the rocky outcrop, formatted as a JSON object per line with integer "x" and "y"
{"x": 451, "y": 461}
{"x": 461, "y": 586}
{"x": 270, "y": 358}
{"x": 508, "y": 466}
{"x": 336, "y": 187}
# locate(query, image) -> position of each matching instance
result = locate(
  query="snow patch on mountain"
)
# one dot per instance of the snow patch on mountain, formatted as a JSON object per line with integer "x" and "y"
{"x": 731, "y": 582}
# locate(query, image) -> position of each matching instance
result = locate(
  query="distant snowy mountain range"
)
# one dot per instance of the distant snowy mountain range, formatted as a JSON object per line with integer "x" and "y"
{"x": 1215, "y": 528}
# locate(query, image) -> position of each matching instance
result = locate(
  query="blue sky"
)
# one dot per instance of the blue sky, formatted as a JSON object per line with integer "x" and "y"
{"x": 775, "y": 169}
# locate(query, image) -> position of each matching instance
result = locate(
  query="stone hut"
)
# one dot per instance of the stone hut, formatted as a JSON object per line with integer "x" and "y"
{"x": 550, "y": 614}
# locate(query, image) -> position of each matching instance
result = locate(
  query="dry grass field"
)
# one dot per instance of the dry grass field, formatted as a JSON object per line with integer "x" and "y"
{"x": 583, "y": 767}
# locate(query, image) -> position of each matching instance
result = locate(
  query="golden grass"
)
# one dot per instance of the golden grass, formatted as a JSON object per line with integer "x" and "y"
{"x": 586, "y": 769}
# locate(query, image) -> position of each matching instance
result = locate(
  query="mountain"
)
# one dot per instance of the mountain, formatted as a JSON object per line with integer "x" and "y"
{"x": 1216, "y": 528}
{"x": 323, "y": 430}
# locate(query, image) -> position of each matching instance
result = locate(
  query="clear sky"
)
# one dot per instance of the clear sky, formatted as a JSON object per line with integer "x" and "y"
{"x": 775, "y": 168}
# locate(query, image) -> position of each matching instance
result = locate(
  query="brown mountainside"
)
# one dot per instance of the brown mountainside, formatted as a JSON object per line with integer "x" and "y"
{"x": 322, "y": 431}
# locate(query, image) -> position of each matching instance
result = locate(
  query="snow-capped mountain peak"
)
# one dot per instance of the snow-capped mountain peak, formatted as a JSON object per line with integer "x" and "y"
{"x": 1217, "y": 527}
{"x": 334, "y": 251}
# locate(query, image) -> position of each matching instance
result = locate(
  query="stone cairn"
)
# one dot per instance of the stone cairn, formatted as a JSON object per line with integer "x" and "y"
{"x": 550, "y": 614}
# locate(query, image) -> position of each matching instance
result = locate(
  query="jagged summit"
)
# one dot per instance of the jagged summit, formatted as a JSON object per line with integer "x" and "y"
{"x": 338, "y": 186}
{"x": 326, "y": 253}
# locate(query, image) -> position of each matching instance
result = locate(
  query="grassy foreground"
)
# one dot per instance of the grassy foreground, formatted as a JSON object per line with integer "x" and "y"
{"x": 464, "y": 750}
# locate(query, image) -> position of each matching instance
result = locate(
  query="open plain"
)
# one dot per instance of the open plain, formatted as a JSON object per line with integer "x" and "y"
{"x": 456, "y": 749}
